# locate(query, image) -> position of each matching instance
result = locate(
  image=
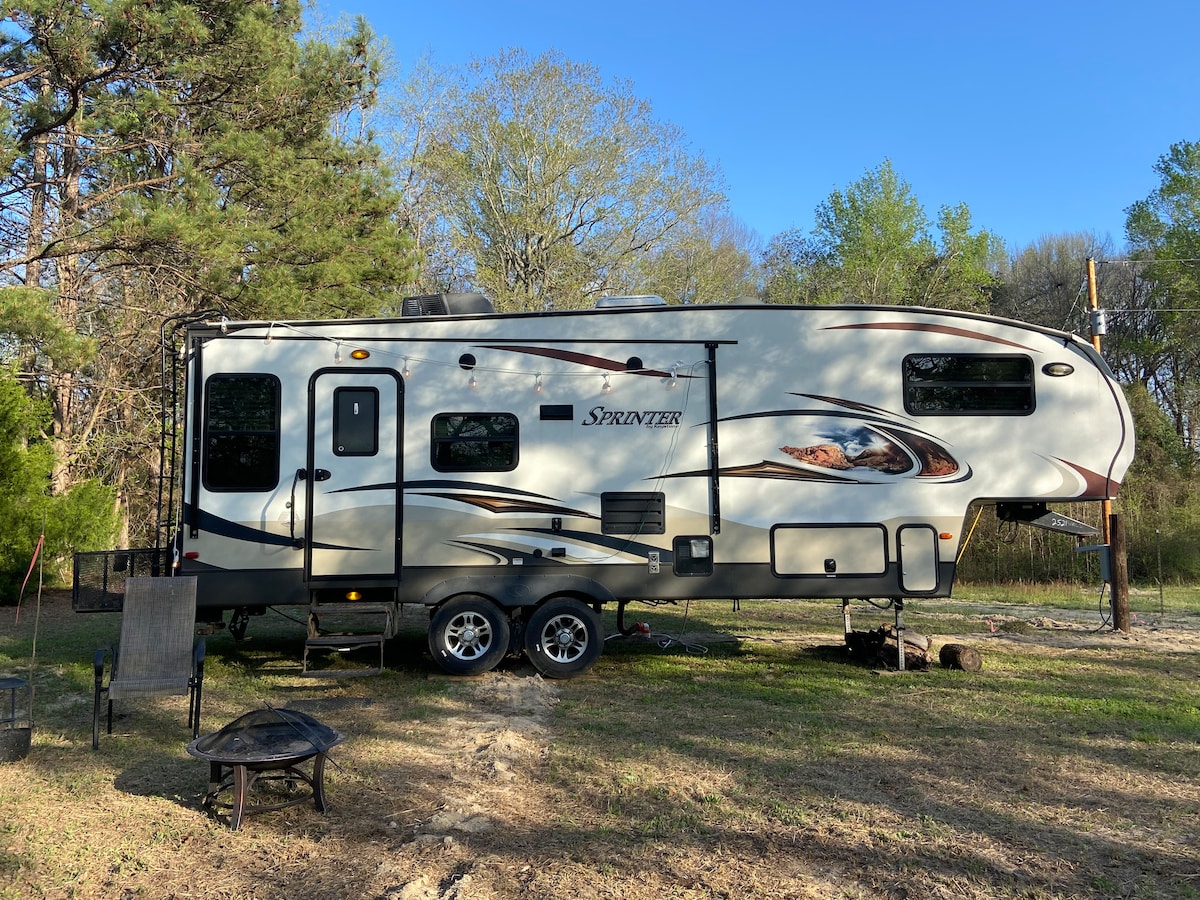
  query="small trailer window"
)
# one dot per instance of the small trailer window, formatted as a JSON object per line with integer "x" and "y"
{"x": 956, "y": 384}
{"x": 474, "y": 442}
{"x": 241, "y": 415}
{"x": 355, "y": 421}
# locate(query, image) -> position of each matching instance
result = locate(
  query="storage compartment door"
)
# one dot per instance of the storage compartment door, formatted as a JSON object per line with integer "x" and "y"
{"x": 829, "y": 550}
{"x": 918, "y": 558}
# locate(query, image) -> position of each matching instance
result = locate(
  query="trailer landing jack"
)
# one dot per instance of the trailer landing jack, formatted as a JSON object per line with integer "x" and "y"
{"x": 897, "y": 605}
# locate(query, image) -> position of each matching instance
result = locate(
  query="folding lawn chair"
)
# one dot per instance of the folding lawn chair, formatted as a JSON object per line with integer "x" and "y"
{"x": 155, "y": 656}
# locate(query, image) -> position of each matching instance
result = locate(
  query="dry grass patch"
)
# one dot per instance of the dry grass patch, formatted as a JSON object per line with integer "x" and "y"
{"x": 745, "y": 758}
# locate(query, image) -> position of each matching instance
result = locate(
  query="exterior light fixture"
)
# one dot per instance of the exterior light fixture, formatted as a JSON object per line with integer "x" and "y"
{"x": 1058, "y": 369}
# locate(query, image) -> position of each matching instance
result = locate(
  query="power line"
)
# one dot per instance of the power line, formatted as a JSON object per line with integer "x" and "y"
{"x": 1126, "y": 260}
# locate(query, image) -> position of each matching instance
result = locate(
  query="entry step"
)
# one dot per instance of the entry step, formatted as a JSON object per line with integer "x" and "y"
{"x": 342, "y": 642}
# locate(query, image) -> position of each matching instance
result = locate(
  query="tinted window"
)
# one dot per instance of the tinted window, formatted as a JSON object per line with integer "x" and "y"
{"x": 355, "y": 421}
{"x": 242, "y": 433}
{"x": 946, "y": 384}
{"x": 474, "y": 442}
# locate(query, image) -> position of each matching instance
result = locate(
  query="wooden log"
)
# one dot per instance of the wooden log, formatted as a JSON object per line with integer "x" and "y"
{"x": 960, "y": 656}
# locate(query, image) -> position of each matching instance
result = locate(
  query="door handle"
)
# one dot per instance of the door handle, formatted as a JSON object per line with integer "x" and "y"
{"x": 321, "y": 474}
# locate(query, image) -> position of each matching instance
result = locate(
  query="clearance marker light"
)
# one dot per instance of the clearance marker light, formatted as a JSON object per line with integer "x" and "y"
{"x": 360, "y": 354}
{"x": 353, "y": 595}
{"x": 945, "y": 535}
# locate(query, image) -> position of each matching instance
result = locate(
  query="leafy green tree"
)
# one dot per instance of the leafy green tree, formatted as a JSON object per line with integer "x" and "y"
{"x": 1164, "y": 232}
{"x": 84, "y": 518}
{"x": 873, "y": 243}
{"x": 550, "y": 185}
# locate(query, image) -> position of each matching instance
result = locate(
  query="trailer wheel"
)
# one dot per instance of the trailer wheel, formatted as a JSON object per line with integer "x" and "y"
{"x": 468, "y": 635}
{"x": 562, "y": 638}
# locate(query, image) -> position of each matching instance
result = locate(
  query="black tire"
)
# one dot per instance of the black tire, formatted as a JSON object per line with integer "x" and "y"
{"x": 562, "y": 637}
{"x": 468, "y": 635}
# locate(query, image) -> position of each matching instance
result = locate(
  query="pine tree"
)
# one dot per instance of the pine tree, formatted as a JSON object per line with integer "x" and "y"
{"x": 170, "y": 157}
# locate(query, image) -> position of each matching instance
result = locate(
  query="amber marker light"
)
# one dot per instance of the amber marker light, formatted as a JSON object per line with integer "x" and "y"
{"x": 945, "y": 535}
{"x": 360, "y": 354}
{"x": 353, "y": 595}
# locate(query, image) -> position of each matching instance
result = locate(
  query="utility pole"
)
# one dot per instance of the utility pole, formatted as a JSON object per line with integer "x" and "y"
{"x": 1111, "y": 525}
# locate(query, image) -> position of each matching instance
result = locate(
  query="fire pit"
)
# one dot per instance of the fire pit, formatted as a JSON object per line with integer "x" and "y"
{"x": 265, "y": 745}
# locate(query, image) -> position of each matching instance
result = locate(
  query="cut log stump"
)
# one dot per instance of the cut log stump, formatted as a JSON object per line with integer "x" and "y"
{"x": 880, "y": 647}
{"x": 960, "y": 656}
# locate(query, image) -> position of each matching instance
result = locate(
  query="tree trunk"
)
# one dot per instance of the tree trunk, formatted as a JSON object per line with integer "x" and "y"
{"x": 62, "y": 384}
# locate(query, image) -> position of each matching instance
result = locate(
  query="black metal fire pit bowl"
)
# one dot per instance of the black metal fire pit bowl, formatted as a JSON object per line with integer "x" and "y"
{"x": 266, "y": 745}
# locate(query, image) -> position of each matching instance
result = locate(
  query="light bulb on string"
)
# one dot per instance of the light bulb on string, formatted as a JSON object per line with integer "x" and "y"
{"x": 606, "y": 388}
{"x": 337, "y": 353}
{"x": 537, "y": 383}
{"x": 405, "y": 372}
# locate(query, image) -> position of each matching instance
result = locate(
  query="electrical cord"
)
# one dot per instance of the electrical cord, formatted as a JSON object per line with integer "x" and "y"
{"x": 1105, "y": 620}
{"x": 664, "y": 640}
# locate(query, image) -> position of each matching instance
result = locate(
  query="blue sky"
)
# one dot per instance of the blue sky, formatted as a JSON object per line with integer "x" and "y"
{"x": 1043, "y": 117}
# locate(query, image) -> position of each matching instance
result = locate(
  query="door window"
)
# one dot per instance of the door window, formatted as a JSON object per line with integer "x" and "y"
{"x": 355, "y": 421}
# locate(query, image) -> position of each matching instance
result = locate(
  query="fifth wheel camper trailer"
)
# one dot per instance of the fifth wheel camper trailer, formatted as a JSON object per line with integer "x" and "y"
{"x": 515, "y": 472}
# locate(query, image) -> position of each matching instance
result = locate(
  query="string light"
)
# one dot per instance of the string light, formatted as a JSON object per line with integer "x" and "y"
{"x": 467, "y": 361}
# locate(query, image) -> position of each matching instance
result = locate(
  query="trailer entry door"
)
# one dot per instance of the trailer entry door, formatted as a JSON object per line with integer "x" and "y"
{"x": 353, "y": 478}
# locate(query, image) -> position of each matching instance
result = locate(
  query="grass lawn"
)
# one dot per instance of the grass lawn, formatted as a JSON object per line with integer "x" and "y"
{"x": 731, "y": 754}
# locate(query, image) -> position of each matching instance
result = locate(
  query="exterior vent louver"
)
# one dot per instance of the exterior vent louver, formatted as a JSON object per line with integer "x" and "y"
{"x": 446, "y": 305}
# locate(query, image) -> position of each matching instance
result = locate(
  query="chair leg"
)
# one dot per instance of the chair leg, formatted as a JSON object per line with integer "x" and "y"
{"x": 110, "y": 716}
{"x": 194, "y": 708}
{"x": 96, "y": 721}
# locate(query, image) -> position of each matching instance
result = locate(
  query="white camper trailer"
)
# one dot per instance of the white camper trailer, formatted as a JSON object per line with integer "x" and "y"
{"x": 515, "y": 472}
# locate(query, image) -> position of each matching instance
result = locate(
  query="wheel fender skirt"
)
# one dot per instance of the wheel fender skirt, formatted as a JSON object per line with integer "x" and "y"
{"x": 515, "y": 590}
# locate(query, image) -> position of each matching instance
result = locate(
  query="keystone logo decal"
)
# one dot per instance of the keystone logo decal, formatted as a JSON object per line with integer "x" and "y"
{"x": 654, "y": 418}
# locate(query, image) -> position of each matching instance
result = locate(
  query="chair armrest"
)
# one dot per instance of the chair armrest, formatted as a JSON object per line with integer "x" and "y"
{"x": 98, "y": 664}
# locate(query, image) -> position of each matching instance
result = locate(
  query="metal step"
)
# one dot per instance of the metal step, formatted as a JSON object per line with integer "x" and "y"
{"x": 339, "y": 642}
{"x": 348, "y": 616}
